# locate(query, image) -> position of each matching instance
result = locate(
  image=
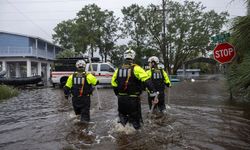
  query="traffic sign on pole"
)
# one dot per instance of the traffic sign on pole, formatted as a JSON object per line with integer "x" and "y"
{"x": 224, "y": 53}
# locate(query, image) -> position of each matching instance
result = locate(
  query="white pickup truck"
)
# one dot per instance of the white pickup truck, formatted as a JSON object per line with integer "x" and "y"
{"x": 103, "y": 72}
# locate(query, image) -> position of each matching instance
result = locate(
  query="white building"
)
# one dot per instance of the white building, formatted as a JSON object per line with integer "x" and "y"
{"x": 188, "y": 73}
{"x": 25, "y": 56}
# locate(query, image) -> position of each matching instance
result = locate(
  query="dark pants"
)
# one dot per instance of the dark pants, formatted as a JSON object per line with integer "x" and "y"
{"x": 129, "y": 109}
{"x": 81, "y": 107}
{"x": 161, "y": 104}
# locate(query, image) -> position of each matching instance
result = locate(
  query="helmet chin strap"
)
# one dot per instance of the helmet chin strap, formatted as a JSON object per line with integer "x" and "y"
{"x": 81, "y": 69}
{"x": 128, "y": 61}
{"x": 154, "y": 64}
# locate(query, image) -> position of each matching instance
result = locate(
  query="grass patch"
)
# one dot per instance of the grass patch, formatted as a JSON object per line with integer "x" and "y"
{"x": 7, "y": 92}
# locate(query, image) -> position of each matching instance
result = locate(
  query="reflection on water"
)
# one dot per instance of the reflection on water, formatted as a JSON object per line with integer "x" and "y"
{"x": 200, "y": 117}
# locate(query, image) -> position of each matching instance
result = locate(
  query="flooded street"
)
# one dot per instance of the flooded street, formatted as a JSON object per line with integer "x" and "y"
{"x": 200, "y": 117}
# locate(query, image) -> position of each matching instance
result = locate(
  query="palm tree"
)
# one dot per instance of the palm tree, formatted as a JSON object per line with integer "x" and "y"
{"x": 239, "y": 72}
{"x": 248, "y": 7}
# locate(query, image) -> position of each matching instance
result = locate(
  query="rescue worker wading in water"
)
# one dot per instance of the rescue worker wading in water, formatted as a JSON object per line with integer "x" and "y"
{"x": 127, "y": 83}
{"x": 79, "y": 84}
{"x": 160, "y": 79}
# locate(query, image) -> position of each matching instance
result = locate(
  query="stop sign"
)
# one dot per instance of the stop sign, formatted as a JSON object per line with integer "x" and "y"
{"x": 224, "y": 53}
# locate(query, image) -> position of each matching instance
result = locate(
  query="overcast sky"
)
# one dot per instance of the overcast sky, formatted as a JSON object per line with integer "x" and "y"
{"x": 39, "y": 17}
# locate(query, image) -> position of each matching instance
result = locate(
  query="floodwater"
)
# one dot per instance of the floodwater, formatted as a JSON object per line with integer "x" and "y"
{"x": 200, "y": 117}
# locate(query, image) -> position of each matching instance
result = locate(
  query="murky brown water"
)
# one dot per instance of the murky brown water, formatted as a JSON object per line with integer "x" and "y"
{"x": 200, "y": 117}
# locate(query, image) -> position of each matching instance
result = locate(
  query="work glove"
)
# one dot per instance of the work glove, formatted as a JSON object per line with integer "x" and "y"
{"x": 167, "y": 84}
{"x": 116, "y": 91}
{"x": 66, "y": 97}
{"x": 149, "y": 85}
{"x": 97, "y": 82}
{"x": 155, "y": 95}
{"x": 66, "y": 91}
{"x": 155, "y": 100}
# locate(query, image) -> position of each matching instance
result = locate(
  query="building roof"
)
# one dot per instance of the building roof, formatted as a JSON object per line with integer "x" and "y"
{"x": 24, "y": 35}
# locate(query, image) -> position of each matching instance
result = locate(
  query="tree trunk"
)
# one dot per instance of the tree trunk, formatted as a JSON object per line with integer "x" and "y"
{"x": 92, "y": 50}
{"x": 105, "y": 56}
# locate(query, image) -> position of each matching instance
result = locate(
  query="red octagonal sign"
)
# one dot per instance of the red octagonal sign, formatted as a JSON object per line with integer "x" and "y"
{"x": 224, "y": 53}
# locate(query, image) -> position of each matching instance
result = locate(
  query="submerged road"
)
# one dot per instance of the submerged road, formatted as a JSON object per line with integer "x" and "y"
{"x": 200, "y": 117}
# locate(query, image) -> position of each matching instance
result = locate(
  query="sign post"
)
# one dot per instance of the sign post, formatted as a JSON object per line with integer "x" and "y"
{"x": 224, "y": 53}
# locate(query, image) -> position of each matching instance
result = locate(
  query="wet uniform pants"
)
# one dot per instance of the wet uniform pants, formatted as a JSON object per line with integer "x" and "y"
{"x": 161, "y": 104}
{"x": 129, "y": 109}
{"x": 81, "y": 107}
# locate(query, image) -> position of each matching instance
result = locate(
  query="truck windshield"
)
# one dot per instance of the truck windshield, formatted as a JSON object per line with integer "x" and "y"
{"x": 106, "y": 67}
{"x": 94, "y": 67}
{"x": 64, "y": 65}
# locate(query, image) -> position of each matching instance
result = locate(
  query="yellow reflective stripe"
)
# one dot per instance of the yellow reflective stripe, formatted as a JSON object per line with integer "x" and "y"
{"x": 120, "y": 73}
{"x": 133, "y": 95}
{"x": 78, "y": 80}
{"x": 124, "y": 73}
{"x": 74, "y": 80}
{"x": 125, "y": 94}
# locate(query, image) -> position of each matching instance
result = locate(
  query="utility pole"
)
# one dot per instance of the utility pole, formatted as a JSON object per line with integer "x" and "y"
{"x": 164, "y": 52}
{"x": 164, "y": 24}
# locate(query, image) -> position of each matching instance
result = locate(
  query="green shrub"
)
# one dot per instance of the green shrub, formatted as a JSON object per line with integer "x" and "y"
{"x": 7, "y": 92}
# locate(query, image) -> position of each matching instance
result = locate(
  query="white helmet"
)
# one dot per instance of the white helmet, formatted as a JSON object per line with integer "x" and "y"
{"x": 129, "y": 54}
{"x": 153, "y": 58}
{"x": 80, "y": 64}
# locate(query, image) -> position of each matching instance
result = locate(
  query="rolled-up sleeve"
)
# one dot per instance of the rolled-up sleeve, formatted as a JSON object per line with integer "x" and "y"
{"x": 114, "y": 77}
{"x": 69, "y": 82}
{"x": 91, "y": 79}
{"x": 166, "y": 79}
{"x": 140, "y": 73}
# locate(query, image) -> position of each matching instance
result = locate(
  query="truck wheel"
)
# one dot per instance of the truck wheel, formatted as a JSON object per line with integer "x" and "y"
{"x": 63, "y": 81}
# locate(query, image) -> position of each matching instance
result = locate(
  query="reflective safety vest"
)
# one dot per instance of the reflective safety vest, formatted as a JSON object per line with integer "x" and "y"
{"x": 80, "y": 86}
{"x": 158, "y": 79}
{"x": 128, "y": 84}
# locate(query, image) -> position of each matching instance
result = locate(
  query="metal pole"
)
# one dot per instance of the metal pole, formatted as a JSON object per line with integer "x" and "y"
{"x": 168, "y": 95}
{"x": 164, "y": 43}
{"x": 164, "y": 25}
{"x": 164, "y": 29}
{"x": 168, "y": 104}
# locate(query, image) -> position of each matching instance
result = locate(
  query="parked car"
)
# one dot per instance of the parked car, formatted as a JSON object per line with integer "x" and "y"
{"x": 64, "y": 68}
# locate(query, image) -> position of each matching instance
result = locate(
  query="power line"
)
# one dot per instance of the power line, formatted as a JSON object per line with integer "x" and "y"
{"x": 23, "y": 20}
{"x": 45, "y": 11}
{"x": 45, "y": 32}
{"x": 51, "y": 1}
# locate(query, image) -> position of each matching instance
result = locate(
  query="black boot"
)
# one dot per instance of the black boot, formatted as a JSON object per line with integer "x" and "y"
{"x": 123, "y": 119}
{"x": 136, "y": 125}
{"x": 84, "y": 118}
